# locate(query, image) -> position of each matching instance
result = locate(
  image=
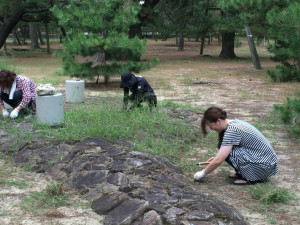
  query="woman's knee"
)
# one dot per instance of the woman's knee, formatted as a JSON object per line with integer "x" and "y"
{"x": 18, "y": 95}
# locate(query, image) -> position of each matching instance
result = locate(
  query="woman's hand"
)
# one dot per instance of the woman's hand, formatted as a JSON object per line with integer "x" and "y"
{"x": 5, "y": 113}
{"x": 210, "y": 159}
{"x": 14, "y": 113}
{"x": 199, "y": 175}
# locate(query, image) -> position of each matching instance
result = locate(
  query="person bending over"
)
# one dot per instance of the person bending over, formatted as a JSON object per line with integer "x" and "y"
{"x": 242, "y": 146}
{"x": 17, "y": 91}
{"x": 140, "y": 88}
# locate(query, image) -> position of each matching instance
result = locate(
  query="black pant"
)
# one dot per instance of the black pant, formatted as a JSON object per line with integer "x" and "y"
{"x": 17, "y": 98}
{"x": 230, "y": 163}
{"x": 150, "y": 98}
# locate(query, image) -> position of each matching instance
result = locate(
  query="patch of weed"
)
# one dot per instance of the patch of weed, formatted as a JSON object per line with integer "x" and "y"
{"x": 270, "y": 219}
{"x": 4, "y": 182}
{"x": 267, "y": 193}
{"x": 174, "y": 105}
{"x": 5, "y": 213}
{"x": 53, "y": 196}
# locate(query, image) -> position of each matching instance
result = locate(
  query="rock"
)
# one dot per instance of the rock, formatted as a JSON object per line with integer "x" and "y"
{"x": 199, "y": 215}
{"x": 89, "y": 179}
{"x": 151, "y": 218}
{"x": 130, "y": 187}
{"x": 108, "y": 202}
{"x": 172, "y": 215}
{"x": 101, "y": 189}
{"x": 138, "y": 162}
{"x": 126, "y": 213}
{"x": 117, "y": 179}
{"x": 118, "y": 166}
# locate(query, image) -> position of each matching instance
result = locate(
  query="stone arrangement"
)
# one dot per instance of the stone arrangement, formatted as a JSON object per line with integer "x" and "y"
{"x": 128, "y": 187}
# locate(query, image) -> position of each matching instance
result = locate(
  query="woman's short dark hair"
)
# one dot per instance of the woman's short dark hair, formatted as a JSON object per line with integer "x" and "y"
{"x": 7, "y": 78}
{"x": 211, "y": 115}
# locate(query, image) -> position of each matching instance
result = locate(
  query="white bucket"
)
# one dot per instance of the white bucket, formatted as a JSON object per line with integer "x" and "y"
{"x": 50, "y": 109}
{"x": 74, "y": 91}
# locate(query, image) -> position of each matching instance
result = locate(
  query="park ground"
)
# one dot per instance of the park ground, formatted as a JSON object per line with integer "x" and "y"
{"x": 187, "y": 79}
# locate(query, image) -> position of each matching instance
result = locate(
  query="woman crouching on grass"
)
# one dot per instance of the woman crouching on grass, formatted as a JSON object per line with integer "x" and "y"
{"x": 242, "y": 146}
{"x": 17, "y": 91}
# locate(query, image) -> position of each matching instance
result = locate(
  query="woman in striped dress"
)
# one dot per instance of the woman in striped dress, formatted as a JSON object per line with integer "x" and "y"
{"x": 242, "y": 146}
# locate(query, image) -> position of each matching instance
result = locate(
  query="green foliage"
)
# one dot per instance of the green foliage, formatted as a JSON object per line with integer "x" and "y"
{"x": 290, "y": 114}
{"x": 100, "y": 27}
{"x": 284, "y": 28}
{"x": 268, "y": 194}
{"x": 169, "y": 18}
{"x": 285, "y": 73}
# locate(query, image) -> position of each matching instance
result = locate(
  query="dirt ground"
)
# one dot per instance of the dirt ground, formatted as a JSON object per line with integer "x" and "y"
{"x": 200, "y": 81}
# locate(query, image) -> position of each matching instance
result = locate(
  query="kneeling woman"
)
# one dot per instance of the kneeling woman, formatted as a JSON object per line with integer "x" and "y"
{"x": 17, "y": 91}
{"x": 242, "y": 146}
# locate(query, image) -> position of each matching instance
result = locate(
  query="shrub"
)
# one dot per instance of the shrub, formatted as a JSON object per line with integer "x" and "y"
{"x": 285, "y": 73}
{"x": 290, "y": 113}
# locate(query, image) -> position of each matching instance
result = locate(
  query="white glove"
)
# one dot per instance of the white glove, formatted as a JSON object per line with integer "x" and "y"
{"x": 5, "y": 113}
{"x": 14, "y": 113}
{"x": 199, "y": 175}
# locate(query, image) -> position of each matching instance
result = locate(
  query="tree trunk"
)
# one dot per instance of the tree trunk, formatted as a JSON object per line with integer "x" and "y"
{"x": 202, "y": 44}
{"x": 136, "y": 30}
{"x": 16, "y": 38}
{"x": 23, "y": 33}
{"x": 5, "y": 49}
{"x": 33, "y": 35}
{"x": 11, "y": 23}
{"x": 228, "y": 45}
{"x": 47, "y": 37}
{"x": 252, "y": 47}
{"x": 180, "y": 42}
{"x": 40, "y": 35}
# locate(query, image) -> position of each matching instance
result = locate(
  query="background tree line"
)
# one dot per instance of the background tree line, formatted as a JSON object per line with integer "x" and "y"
{"x": 104, "y": 37}
{"x": 108, "y": 34}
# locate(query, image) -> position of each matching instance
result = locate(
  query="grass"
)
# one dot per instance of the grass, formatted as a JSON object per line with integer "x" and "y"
{"x": 4, "y": 182}
{"x": 53, "y": 196}
{"x": 268, "y": 194}
{"x": 6, "y": 64}
{"x": 149, "y": 131}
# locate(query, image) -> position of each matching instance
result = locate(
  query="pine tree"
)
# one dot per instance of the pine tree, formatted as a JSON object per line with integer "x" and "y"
{"x": 97, "y": 31}
{"x": 285, "y": 29}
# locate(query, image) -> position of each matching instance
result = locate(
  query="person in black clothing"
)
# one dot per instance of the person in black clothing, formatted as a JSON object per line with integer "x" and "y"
{"x": 140, "y": 88}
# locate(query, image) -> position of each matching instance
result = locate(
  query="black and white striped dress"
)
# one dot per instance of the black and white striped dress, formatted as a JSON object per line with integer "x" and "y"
{"x": 252, "y": 154}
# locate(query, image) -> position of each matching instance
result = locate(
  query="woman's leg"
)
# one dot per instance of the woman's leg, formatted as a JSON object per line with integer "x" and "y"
{"x": 17, "y": 98}
{"x": 151, "y": 100}
{"x": 230, "y": 163}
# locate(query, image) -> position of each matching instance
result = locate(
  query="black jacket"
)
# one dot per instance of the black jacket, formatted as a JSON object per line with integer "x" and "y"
{"x": 140, "y": 90}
